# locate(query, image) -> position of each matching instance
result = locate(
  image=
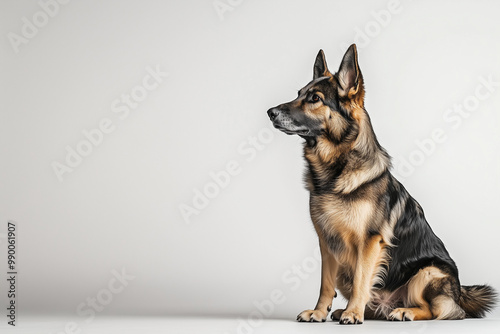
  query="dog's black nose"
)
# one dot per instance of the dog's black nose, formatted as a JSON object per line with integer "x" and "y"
{"x": 273, "y": 113}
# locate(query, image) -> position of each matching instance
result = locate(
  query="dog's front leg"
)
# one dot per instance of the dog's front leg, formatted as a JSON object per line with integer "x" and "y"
{"x": 368, "y": 256}
{"x": 329, "y": 267}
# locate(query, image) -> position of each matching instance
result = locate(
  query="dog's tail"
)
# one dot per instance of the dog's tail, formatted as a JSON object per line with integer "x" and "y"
{"x": 476, "y": 300}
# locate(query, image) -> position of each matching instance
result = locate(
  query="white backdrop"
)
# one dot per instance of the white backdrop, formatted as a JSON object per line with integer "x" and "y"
{"x": 117, "y": 116}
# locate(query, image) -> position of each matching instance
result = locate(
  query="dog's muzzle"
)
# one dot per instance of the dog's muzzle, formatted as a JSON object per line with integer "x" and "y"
{"x": 283, "y": 122}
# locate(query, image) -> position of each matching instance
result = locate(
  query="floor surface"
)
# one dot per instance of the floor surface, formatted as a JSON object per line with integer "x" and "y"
{"x": 181, "y": 325}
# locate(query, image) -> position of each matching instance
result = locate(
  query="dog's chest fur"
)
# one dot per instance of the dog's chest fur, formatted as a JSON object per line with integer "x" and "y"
{"x": 342, "y": 221}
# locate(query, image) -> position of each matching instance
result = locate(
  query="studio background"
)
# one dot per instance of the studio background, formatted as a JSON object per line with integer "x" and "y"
{"x": 201, "y": 76}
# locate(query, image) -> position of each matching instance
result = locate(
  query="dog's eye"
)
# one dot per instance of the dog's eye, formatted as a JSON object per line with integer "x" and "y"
{"x": 315, "y": 98}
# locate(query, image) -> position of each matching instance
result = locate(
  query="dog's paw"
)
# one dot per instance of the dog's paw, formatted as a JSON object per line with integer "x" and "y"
{"x": 312, "y": 316}
{"x": 337, "y": 314}
{"x": 351, "y": 318}
{"x": 401, "y": 314}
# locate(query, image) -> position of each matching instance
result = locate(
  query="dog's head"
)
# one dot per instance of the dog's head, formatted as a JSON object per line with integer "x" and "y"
{"x": 328, "y": 105}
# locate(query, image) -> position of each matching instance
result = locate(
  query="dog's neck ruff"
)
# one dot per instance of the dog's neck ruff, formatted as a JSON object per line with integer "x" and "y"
{"x": 343, "y": 168}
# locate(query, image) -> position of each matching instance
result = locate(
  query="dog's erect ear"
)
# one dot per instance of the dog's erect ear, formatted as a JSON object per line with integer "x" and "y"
{"x": 349, "y": 75}
{"x": 320, "y": 68}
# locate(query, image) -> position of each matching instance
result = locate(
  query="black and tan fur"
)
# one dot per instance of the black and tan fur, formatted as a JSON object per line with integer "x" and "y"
{"x": 377, "y": 248}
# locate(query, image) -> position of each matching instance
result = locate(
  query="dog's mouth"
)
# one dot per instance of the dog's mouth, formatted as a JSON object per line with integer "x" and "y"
{"x": 292, "y": 131}
{"x": 289, "y": 127}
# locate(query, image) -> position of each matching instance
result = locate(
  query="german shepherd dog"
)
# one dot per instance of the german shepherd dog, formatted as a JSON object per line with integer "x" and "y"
{"x": 376, "y": 245}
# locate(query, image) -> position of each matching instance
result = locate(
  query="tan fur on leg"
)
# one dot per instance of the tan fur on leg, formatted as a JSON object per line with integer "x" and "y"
{"x": 410, "y": 314}
{"x": 367, "y": 260}
{"x": 329, "y": 269}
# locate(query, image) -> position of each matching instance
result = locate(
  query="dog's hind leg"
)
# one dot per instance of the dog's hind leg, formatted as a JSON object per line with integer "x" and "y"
{"x": 336, "y": 314}
{"x": 329, "y": 269}
{"x": 442, "y": 308}
{"x": 445, "y": 308}
{"x": 430, "y": 296}
{"x": 412, "y": 313}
